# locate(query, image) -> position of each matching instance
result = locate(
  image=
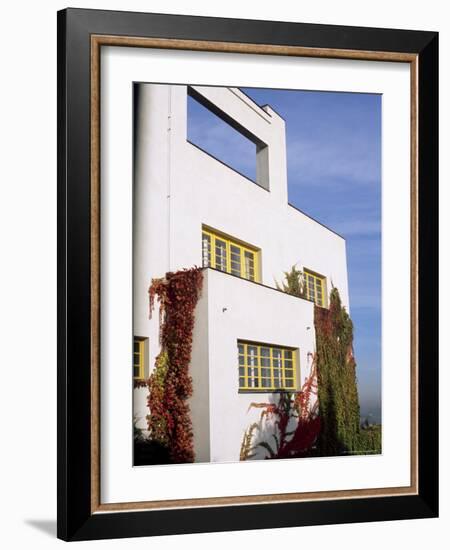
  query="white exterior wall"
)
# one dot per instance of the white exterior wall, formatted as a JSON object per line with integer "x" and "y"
{"x": 178, "y": 188}
{"x": 201, "y": 377}
{"x": 238, "y": 309}
{"x": 140, "y": 408}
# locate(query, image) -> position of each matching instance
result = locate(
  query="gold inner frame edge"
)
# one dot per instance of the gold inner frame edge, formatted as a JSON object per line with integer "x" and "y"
{"x": 97, "y": 41}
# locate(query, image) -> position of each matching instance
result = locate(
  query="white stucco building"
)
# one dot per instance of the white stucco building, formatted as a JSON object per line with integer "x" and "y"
{"x": 250, "y": 339}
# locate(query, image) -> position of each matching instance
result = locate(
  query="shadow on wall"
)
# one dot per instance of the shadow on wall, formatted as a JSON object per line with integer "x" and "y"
{"x": 288, "y": 427}
{"x": 283, "y": 432}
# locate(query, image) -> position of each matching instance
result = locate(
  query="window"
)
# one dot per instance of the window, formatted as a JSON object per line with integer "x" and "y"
{"x": 226, "y": 254}
{"x": 316, "y": 288}
{"x": 266, "y": 368}
{"x": 139, "y": 358}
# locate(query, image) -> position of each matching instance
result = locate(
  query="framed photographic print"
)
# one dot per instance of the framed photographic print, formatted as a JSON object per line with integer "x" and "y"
{"x": 247, "y": 274}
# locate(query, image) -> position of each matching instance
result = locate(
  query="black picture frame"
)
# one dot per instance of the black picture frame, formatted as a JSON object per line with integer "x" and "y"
{"x": 76, "y": 521}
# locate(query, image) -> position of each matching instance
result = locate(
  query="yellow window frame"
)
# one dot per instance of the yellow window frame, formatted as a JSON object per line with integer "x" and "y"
{"x": 317, "y": 281}
{"x": 255, "y": 382}
{"x": 243, "y": 249}
{"x": 138, "y": 358}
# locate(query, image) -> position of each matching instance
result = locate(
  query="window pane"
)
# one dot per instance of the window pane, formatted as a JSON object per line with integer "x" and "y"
{"x": 235, "y": 260}
{"x": 251, "y": 375}
{"x": 226, "y": 255}
{"x": 276, "y": 354}
{"x": 249, "y": 265}
{"x": 235, "y": 269}
{"x": 315, "y": 286}
{"x": 221, "y": 255}
{"x": 206, "y": 250}
{"x": 267, "y": 367}
{"x": 265, "y": 373}
{"x": 136, "y": 372}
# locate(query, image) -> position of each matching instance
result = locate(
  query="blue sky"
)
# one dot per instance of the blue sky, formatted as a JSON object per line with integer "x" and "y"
{"x": 334, "y": 175}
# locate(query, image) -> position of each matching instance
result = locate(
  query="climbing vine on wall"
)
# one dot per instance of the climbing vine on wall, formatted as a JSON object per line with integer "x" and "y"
{"x": 170, "y": 384}
{"x": 338, "y": 393}
{"x": 288, "y": 428}
{"x": 333, "y": 429}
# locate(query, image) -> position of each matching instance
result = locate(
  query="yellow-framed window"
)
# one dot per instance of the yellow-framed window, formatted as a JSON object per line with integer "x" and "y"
{"x": 316, "y": 288}
{"x": 227, "y": 254}
{"x": 138, "y": 358}
{"x": 264, "y": 367}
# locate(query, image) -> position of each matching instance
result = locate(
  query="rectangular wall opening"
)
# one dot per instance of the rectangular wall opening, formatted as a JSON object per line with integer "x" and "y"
{"x": 220, "y": 136}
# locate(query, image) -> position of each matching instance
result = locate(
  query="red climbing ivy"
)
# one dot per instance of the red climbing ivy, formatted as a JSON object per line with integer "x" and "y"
{"x": 170, "y": 384}
{"x": 285, "y": 440}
